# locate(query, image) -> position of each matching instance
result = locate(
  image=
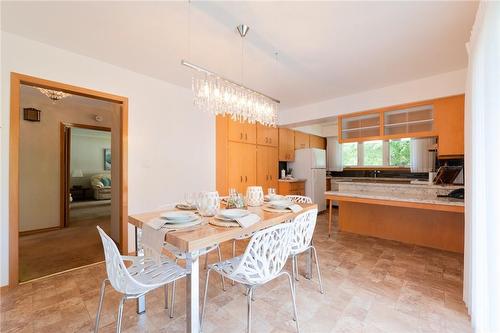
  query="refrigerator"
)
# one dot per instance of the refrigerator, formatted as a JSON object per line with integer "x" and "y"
{"x": 310, "y": 164}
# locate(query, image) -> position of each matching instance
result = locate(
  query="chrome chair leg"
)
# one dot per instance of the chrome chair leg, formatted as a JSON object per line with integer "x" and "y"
{"x": 249, "y": 311}
{"x": 120, "y": 315}
{"x": 220, "y": 260}
{"x": 317, "y": 268}
{"x": 233, "y": 255}
{"x": 293, "y": 301}
{"x": 99, "y": 309}
{"x": 204, "y": 301}
{"x": 294, "y": 272}
{"x": 171, "y": 315}
{"x": 165, "y": 295}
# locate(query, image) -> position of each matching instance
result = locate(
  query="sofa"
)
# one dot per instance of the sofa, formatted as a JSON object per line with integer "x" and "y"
{"x": 101, "y": 186}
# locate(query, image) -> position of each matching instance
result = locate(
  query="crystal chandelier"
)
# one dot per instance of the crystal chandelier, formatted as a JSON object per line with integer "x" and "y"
{"x": 54, "y": 95}
{"x": 221, "y": 96}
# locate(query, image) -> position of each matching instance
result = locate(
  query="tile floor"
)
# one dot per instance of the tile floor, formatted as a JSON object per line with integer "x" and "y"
{"x": 371, "y": 285}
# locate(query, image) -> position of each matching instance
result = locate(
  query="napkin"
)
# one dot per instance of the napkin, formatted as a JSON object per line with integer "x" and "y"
{"x": 153, "y": 238}
{"x": 295, "y": 208}
{"x": 248, "y": 220}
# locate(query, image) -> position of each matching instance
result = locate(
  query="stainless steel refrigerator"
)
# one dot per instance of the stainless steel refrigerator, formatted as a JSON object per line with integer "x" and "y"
{"x": 310, "y": 164}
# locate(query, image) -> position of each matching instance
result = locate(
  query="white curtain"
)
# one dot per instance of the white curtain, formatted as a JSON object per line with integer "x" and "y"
{"x": 482, "y": 178}
{"x": 334, "y": 154}
{"x": 421, "y": 160}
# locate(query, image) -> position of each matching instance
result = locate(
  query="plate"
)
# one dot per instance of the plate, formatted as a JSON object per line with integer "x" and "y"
{"x": 183, "y": 206}
{"x": 178, "y": 216}
{"x": 233, "y": 213}
{"x": 191, "y": 220}
{"x": 183, "y": 225}
{"x": 280, "y": 204}
{"x": 274, "y": 197}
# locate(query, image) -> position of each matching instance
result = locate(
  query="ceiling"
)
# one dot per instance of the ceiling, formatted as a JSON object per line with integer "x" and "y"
{"x": 325, "y": 49}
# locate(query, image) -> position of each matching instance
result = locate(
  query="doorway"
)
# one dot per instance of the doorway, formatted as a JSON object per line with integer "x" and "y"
{"x": 44, "y": 239}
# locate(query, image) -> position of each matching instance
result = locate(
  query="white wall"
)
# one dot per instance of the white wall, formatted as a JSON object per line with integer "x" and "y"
{"x": 171, "y": 145}
{"x": 447, "y": 84}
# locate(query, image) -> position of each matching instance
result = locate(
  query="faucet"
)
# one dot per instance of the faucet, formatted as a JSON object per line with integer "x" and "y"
{"x": 375, "y": 173}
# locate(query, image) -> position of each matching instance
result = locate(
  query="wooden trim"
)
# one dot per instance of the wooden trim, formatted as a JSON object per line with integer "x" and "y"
{"x": 15, "y": 87}
{"x": 38, "y": 231}
{"x": 92, "y": 127}
{"x": 16, "y": 80}
{"x": 397, "y": 203}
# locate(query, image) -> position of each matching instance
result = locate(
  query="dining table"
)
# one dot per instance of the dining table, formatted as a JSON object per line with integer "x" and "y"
{"x": 194, "y": 239}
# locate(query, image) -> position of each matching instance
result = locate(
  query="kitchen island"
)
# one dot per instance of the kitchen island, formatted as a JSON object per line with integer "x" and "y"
{"x": 404, "y": 212}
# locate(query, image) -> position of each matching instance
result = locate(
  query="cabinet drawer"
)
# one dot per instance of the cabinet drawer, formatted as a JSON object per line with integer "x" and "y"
{"x": 297, "y": 186}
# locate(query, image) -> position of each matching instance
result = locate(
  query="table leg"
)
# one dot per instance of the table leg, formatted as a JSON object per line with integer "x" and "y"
{"x": 141, "y": 301}
{"x": 329, "y": 217}
{"x": 192, "y": 295}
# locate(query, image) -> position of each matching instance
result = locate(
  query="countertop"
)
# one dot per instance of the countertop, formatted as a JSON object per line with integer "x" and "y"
{"x": 399, "y": 197}
{"x": 295, "y": 180}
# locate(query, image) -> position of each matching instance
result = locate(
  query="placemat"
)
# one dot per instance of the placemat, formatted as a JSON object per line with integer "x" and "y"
{"x": 225, "y": 224}
{"x": 274, "y": 210}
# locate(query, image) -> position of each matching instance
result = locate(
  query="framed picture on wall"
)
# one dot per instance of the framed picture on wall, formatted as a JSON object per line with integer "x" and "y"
{"x": 107, "y": 158}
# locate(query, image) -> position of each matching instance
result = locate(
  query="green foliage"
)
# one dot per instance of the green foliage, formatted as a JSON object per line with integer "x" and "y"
{"x": 399, "y": 152}
{"x": 373, "y": 152}
{"x": 350, "y": 154}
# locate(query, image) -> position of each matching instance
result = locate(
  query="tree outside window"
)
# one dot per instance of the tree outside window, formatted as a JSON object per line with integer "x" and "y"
{"x": 399, "y": 152}
{"x": 373, "y": 153}
{"x": 350, "y": 154}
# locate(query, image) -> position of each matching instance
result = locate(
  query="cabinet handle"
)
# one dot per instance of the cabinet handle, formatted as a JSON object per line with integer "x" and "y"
{"x": 241, "y": 136}
{"x": 246, "y": 136}
{"x": 267, "y": 177}
{"x": 270, "y": 177}
{"x": 246, "y": 179}
{"x": 266, "y": 140}
{"x": 241, "y": 179}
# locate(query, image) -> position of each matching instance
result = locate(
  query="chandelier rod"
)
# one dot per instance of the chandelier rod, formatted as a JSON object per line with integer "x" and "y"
{"x": 204, "y": 70}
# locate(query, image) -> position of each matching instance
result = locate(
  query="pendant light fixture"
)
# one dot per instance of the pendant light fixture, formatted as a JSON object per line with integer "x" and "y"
{"x": 221, "y": 96}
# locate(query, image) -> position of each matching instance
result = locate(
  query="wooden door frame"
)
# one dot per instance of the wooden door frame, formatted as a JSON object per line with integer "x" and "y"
{"x": 16, "y": 80}
{"x": 65, "y": 156}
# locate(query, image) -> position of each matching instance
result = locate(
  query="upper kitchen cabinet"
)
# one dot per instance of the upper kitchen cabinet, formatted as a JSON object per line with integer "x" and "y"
{"x": 449, "y": 115}
{"x": 286, "y": 150}
{"x": 267, "y": 136}
{"x": 316, "y": 141}
{"x": 242, "y": 132}
{"x": 360, "y": 127}
{"x": 267, "y": 167}
{"x": 301, "y": 140}
{"x": 410, "y": 122}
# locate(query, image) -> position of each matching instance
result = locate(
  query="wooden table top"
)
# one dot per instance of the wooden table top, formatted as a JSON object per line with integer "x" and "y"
{"x": 207, "y": 234}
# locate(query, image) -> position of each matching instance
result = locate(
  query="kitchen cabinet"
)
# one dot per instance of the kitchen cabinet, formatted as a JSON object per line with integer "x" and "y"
{"x": 242, "y": 132}
{"x": 316, "y": 141}
{"x": 292, "y": 188}
{"x": 267, "y": 167}
{"x": 267, "y": 136}
{"x": 449, "y": 115}
{"x": 301, "y": 140}
{"x": 286, "y": 150}
{"x": 242, "y": 161}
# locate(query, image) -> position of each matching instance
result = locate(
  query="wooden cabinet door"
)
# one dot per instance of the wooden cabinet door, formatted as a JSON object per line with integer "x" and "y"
{"x": 236, "y": 131}
{"x": 449, "y": 122}
{"x": 236, "y": 167}
{"x": 286, "y": 147}
{"x": 262, "y": 167}
{"x": 273, "y": 167}
{"x": 250, "y": 133}
{"x": 249, "y": 156}
{"x": 301, "y": 140}
{"x": 267, "y": 136}
{"x": 317, "y": 142}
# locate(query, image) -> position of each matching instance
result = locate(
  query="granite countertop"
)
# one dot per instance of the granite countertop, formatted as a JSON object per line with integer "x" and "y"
{"x": 295, "y": 180}
{"x": 399, "y": 197}
{"x": 371, "y": 182}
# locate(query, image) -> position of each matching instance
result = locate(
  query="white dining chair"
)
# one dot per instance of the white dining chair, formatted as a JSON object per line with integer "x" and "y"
{"x": 303, "y": 230}
{"x": 142, "y": 276}
{"x": 262, "y": 261}
{"x": 180, "y": 255}
{"x": 299, "y": 199}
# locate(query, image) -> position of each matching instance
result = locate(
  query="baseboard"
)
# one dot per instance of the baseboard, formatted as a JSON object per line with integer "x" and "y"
{"x": 37, "y": 231}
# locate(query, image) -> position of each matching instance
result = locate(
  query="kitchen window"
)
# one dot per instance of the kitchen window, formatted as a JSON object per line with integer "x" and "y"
{"x": 377, "y": 153}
